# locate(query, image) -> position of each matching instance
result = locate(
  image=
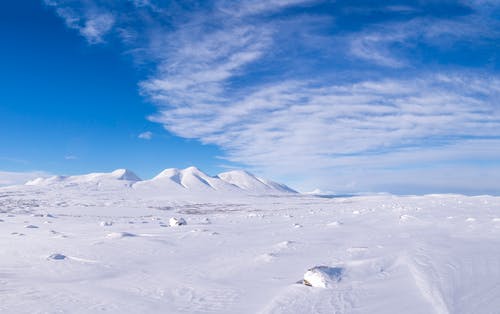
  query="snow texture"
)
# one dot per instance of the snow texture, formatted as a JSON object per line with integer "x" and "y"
{"x": 249, "y": 247}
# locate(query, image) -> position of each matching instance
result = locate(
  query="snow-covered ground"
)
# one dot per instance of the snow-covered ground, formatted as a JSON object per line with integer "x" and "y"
{"x": 104, "y": 243}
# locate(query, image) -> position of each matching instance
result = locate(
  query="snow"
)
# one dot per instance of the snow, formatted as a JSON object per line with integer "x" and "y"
{"x": 247, "y": 181}
{"x": 107, "y": 246}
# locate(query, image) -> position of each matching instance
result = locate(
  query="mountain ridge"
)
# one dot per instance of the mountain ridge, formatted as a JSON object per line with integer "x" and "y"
{"x": 190, "y": 179}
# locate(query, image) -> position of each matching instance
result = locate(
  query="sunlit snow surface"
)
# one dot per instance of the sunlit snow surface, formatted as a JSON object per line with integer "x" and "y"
{"x": 109, "y": 248}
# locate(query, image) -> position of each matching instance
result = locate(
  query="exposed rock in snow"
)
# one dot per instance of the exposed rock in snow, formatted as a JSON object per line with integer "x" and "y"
{"x": 106, "y": 223}
{"x": 174, "y": 222}
{"x": 323, "y": 276}
{"x": 57, "y": 256}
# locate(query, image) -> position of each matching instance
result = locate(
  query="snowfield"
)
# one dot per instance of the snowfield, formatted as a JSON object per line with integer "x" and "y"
{"x": 106, "y": 243}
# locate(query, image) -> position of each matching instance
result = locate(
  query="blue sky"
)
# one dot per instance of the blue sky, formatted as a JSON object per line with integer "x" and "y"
{"x": 345, "y": 96}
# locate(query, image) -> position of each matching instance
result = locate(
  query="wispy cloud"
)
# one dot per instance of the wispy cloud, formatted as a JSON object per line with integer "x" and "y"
{"x": 91, "y": 22}
{"x": 279, "y": 86}
{"x": 146, "y": 135}
{"x": 252, "y": 7}
{"x": 293, "y": 124}
{"x": 393, "y": 44}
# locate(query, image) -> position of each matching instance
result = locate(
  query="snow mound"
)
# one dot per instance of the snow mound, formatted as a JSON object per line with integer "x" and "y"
{"x": 119, "y": 235}
{"x": 323, "y": 276}
{"x": 335, "y": 223}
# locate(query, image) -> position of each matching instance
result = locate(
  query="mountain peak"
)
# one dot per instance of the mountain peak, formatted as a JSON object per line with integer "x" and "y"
{"x": 167, "y": 173}
{"x": 125, "y": 174}
{"x": 193, "y": 170}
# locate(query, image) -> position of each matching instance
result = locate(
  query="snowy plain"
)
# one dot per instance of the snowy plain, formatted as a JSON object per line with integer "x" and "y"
{"x": 104, "y": 243}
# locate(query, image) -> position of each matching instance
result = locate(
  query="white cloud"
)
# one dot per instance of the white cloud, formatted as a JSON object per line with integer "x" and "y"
{"x": 299, "y": 128}
{"x": 96, "y": 26}
{"x": 91, "y": 23}
{"x": 71, "y": 157}
{"x": 388, "y": 44}
{"x": 252, "y": 7}
{"x": 373, "y": 47}
{"x": 146, "y": 135}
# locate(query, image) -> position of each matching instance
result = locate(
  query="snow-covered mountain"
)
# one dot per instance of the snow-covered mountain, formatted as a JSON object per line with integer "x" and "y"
{"x": 247, "y": 181}
{"x": 119, "y": 177}
{"x": 172, "y": 180}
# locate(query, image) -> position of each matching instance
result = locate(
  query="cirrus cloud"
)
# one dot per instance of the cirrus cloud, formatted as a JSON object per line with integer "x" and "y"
{"x": 353, "y": 98}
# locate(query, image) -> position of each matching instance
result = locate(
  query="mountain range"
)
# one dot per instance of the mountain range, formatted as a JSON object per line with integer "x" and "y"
{"x": 173, "y": 180}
